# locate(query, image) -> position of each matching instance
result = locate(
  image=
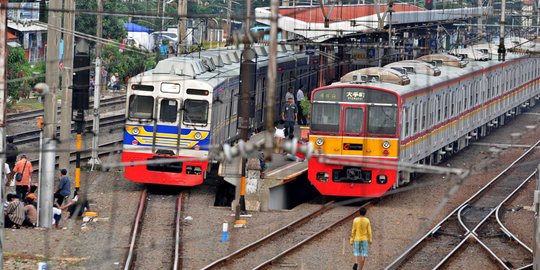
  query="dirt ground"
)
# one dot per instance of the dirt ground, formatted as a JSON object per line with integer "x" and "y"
{"x": 398, "y": 219}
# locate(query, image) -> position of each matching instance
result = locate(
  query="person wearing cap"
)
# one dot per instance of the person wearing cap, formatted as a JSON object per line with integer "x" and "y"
{"x": 289, "y": 115}
{"x": 64, "y": 187}
{"x": 24, "y": 167}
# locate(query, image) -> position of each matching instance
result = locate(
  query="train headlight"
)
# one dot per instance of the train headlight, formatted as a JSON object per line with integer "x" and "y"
{"x": 319, "y": 141}
{"x": 135, "y": 131}
{"x": 382, "y": 179}
{"x": 322, "y": 176}
{"x": 386, "y": 144}
{"x": 198, "y": 135}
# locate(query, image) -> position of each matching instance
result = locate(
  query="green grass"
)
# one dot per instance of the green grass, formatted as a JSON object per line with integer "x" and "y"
{"x": 26, "y": 105}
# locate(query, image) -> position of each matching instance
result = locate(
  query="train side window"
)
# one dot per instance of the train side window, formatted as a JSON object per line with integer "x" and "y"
{"x": 424, "y": 107}
{"x": 438, "y": 108}
{"x": 407, "y": 121}
{"x": 195, "y": 111}
{"x": 415, "y": 118}
{"x": 446, "y": 103}
{"x": 141, "y": 107}
{"x": 168, "y": 110}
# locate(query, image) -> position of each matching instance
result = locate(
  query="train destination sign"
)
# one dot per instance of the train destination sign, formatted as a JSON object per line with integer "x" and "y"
{"x": 360, "y": 95}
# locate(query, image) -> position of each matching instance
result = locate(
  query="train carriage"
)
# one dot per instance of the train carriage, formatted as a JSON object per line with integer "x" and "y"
{"x": 369, "y": 126}
{"x": 187, "y": 104}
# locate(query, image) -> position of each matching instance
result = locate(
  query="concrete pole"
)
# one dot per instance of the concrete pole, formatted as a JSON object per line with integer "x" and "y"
{"x": 284, "y": 35}
{"x": 94, "y": 160}
{"x": 182, "y": 11}
{"x": 3, "y": 97}
{"x": 502, "y": 50}
{"x": 67, "y": 82}
{"x": 229, "y": 22}
{"x": 536, "y": 248}
{"x": 271, "y": 96}
{"x": 49, "y": 116}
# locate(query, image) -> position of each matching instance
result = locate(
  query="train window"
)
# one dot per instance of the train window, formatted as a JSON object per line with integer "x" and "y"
{"x": 415, "y": 118}
{"x": 168, "y": 110}
{"x": 354, "y": 120}
{"x": 424, "y": 114}
{"x": 383, "y": 120}
{"x": 142, "y": 87}
{"x": 172, "y": 88}
{"x": 446, "y": 103}
{"x": 325, "y": 117}
{"x": 141, "y": 107}
{"x": 195, "y": 111}
{"x": 439, "y": 109}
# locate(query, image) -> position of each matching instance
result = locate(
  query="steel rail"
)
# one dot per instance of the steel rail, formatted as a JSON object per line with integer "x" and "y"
{"x": 177, "y": 234}
{"x": 241, "y": 251}
{"x": 33, "y": 135}
{"x": 298, "y": 245}
{"x": 30, "y": 115}
{"x": 135, "y": 230}
{"x": 458, "y": 210}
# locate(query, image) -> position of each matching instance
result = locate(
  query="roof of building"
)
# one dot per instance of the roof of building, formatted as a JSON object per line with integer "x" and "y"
{"x": 26, "y": 27}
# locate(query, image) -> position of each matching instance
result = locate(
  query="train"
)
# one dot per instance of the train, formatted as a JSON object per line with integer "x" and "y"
{"x": 375, "y": 122}
{"x": 187, "y": 104}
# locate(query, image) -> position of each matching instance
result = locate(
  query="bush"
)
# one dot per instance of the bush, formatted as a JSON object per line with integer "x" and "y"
{"x": 306, "y": 107}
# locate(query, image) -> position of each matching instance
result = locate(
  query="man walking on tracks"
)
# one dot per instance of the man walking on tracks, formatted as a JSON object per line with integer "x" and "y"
{"x": 360, "y": 238}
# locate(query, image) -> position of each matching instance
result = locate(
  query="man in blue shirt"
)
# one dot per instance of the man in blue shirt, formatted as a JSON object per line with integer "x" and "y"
{"x": 64, "y": 187}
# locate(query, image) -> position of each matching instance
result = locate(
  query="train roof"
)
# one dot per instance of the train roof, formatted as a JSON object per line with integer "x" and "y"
{"x": 213, "y": 66}
{"x": 420, "y": 80}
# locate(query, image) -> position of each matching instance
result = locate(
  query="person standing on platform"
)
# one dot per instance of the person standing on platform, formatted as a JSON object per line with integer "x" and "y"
{"x": 289, "y": 114}
{"x": 22, "y": 183}
{"x": 289, "y": 94}
{"x": 299, "y": 97}
{"x": 360, "y": 238}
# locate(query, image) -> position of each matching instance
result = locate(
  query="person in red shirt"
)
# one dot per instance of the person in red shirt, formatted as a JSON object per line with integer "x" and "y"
{"x": 24, "y": 167}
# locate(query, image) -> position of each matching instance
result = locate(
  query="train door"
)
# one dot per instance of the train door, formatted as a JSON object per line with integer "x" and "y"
{"x": 168, "y": 132}
{"x": 353, "y": 129}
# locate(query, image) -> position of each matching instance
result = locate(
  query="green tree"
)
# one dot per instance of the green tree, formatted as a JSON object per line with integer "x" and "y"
{"x": 127, "y": 63}
{"x": 19, "y": 69}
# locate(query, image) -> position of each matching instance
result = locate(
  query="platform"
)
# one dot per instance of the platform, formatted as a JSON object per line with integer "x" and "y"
{"x": 281, "y": 170}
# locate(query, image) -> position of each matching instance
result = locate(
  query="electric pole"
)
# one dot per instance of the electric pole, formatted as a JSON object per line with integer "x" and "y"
{"x": 48, "y": 91}
{"x": 67, "y": 81}
{"x": 3, "y": 97}
{"x": 182, "y": 24}
{"x": 502, "y": 50}
{"x": 94, "y": 160}
{"x": 248, "y": 67}
{"x": 229, "y": 22}
{"x": 272, "y": 68}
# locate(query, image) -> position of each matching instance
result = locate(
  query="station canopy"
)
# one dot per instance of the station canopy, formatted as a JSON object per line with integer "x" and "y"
{"x": 344, "y": 20}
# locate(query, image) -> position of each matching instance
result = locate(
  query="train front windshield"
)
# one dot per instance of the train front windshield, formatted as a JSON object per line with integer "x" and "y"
{"x": 354, "y": 112}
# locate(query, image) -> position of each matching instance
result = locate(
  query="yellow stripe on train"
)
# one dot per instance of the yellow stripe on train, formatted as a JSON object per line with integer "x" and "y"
{"x": 356, "y": 146}
{"x": 140, "y": 131}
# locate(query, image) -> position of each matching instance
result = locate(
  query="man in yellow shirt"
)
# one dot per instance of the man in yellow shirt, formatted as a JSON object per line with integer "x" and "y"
{"x": 360, "y": 237}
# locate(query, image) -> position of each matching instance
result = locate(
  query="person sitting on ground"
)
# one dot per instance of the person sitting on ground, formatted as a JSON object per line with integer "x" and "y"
{"x": 64, "y": 187}
{"x": 78, "y": 205}
{"x": 31, "y": 199}
{"x": 14, "y": 213}
{"x": 31, "y": 213}
{"x": 57, "y": 215}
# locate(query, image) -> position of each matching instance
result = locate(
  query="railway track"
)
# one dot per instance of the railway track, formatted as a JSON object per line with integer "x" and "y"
{"x": 31, "y": 115}
{"x": 271, "y": 248}
{"x": 109, "y": 147}
{"x": 154, "y": 244}
{"x": 475, "y": 223}
{"x": 33, "y": 135}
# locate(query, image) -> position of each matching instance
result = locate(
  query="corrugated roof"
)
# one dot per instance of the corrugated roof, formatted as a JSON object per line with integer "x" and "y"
{"x": 314, "y": 14}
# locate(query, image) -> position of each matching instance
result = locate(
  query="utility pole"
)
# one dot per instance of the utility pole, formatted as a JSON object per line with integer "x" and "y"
{"x": 229, "y": 22}
{"x": 48, "y": 92}
{"x": 182, "y": 25}
{"x": 3, "y": 97}
{"x": 272, "y": 67}
{"x": 67, "y": 81}
{"x": 94, "y": 160}
{"x": 502, "y": 50}
{"x": 247, "y": 70}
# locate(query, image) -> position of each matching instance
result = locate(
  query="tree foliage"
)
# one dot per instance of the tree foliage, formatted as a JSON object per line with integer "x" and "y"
{"x": 19, "y": 68}
{"x": 127, "y": 63}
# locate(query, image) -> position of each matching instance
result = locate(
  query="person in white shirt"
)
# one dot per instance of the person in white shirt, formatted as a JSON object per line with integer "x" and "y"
{"x": 289, "y": 94}
{"x": 299, "y": 97}
{"x": 8, "y": 181}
